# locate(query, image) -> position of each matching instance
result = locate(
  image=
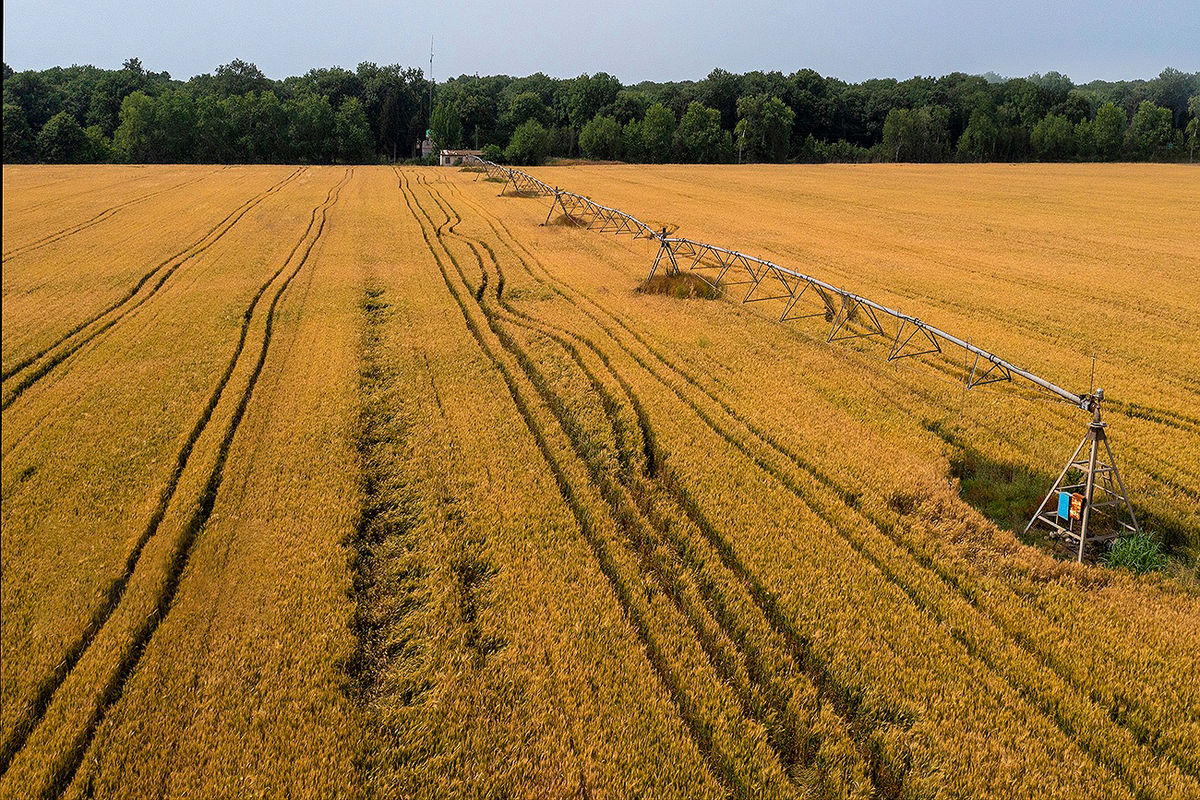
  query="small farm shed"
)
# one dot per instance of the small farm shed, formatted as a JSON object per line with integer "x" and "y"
{"x": 452, "y": 158}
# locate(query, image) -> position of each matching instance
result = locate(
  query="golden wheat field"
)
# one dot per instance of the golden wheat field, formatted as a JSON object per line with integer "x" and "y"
{"x": 362, "y": 482}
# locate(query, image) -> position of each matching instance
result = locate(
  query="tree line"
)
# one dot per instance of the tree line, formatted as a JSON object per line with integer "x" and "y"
{"x": 380, "y": 113}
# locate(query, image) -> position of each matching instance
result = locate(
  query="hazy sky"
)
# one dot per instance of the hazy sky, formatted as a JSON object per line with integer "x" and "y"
{"x": 647, "y": 40}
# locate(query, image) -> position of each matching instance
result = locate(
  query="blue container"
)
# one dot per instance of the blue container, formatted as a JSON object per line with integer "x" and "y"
{"x": 1064, "y": 505}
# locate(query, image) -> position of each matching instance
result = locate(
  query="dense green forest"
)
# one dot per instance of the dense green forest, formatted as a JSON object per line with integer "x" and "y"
{"x": 372, "y": 114}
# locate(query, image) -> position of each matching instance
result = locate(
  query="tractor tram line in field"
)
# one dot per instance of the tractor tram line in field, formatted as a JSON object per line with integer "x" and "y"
{"x": 65, "y": 181}
{"x": 766, "y": 600}
{"x": 580, "y": 496}
{"x": 275, "y": 521}
{"x": 1070, "y": 725}
{"x": 21, "y": 250}
{"x": 126, "y": 304}
{"x": 61, "y": 773}
{"x": 715, "y": 605}
{"x": 692, "y": 597}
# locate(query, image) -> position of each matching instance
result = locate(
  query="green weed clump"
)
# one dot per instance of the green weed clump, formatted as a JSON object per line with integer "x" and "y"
{"x": 1137, "y": 553}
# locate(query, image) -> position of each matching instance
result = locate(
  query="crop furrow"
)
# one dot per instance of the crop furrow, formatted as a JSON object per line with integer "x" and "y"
{"x": 64, "y": 770}
{"x": 164, "y": 270}
{"x": 664, "y": 527}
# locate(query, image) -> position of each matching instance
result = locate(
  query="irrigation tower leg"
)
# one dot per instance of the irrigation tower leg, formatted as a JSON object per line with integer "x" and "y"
{"x": 554, "y": 205}
{"x": 1097, "y": 433}
{"x": 1054, "y": 486}
{"x": 1112, "y": 462}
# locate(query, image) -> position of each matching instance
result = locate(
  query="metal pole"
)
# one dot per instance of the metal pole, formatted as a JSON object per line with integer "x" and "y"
{"x": 1112, "y": 463}
{"x": 557, "y": 200}
{"x": 1096, "y": 431}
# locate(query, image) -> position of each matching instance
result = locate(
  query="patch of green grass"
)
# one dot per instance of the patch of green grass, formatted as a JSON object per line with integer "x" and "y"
{"x": 1137, "y": 553}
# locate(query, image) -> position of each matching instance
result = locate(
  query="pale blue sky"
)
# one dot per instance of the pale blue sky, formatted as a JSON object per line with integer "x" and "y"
{"x": 648, "y": 40}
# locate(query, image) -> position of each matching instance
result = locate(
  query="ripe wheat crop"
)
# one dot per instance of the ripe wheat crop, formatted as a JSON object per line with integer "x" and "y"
{"x": 331, "y": 481}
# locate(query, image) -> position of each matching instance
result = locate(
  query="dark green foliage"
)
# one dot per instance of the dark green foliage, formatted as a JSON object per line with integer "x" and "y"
{"x": 764, "y": 128}
{"x": 62, "y": 141}
{"x": 529, "y": 145}
{"x": 524, "y": 107}
{"x": 19, "y": 142}
{"x": 237, "y": 114}
{"x": 601, "y": 138}
{"x": 1136, "y": 553}
{"x": 446, "y": 126}
{"x": 156, "y": 129}
{"x": 656, "y": 134}
{"x": 1006, "y": 494}
{"x": 980, "y": 138}
{"x": 352, "y": 132}
{"x": 1151, "y": 132}
{"x": 587, "y": 95}
{"x": 1053, "y": 138}
{"x": 239, "y": 77}
{"x": 700, "y": 138}
{"x": 921, "y": 134}
{"x": 1193, "y": 127}
{"x": 1108, "y": 131}
{"x": 493, "y": 152}
{"x": 312, "y": 128}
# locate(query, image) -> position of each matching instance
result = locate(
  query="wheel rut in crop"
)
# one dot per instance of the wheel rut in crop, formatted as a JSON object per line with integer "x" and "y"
{"x": 578, "y": 495}
{"x": 62, "y": 772}
{"x": 35, "y": 367}
{"x": 743, "y": 644}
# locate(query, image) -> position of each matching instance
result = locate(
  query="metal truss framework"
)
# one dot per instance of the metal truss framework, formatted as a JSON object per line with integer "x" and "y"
{"x": 851, "y": 316}
{"x": 522, "y": 182}
{"x": 589, "y": 214}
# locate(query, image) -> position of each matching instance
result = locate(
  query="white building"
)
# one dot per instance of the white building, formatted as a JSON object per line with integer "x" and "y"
{"x": 452, "y": 158}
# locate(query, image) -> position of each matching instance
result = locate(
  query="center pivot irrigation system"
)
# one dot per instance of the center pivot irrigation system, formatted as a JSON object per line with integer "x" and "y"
{"x": 1085, "y": 503}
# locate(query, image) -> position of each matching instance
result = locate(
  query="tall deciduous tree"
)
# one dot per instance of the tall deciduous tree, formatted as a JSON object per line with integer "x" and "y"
{"x": 19, "y": 142}
{"x": 447, "y": 126}
{"x": 353, "y": 132}
{"x": 529, "y": 144}
{"x": 1108, "y": 129}
{"x": 700, "y": 137}
{"x": 1151, "y": 133}
{"x": 1053, "y": 138}
{"x": 601, "y": 138}
{"x": 979, "y": 139}
{"x": 917, "y": 135}
{"x": 764, "y": 128}
{"x": 657, "y": 134}
{"x": 62, "y": 141}
{"x": 312, "y": 128}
